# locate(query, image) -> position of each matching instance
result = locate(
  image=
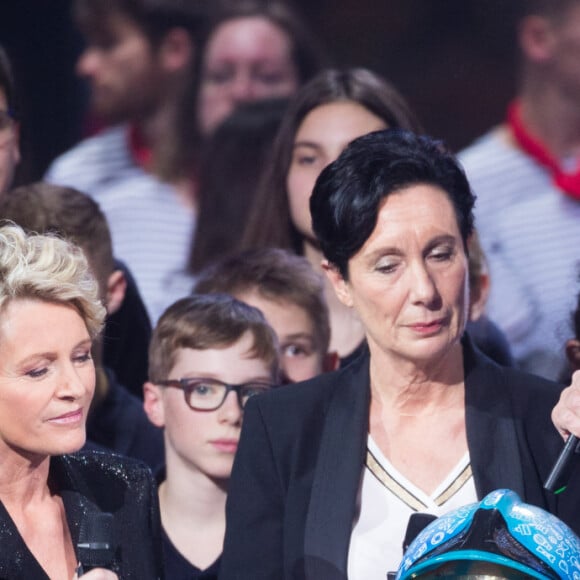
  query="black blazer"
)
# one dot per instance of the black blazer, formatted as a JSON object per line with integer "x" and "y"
{"x": 292, "y": 496}
{"x": 92, "y": 482}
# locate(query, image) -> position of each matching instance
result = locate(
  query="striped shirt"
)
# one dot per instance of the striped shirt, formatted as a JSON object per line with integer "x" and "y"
{"x": 151, "y": 226}
{"x": 530, "y": 232}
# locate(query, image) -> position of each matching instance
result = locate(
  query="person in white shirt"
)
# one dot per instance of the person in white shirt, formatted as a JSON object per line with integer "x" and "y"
{"x": 138, "y": 61}
{"x": 526, "y": 177}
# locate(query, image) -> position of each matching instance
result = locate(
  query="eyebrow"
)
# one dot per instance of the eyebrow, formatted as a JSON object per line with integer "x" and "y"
{"x": 299, "y": 335}
{"x": 212, "y": 377}
{"x": 442, "y": 239}
{"x": 395, "y": 251}
{"x": 50, "y": 354}
{"x": 309, "y": 144}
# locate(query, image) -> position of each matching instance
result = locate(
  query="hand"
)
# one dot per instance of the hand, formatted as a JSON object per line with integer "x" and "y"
{"x": 98, "y": 574}
{"x": 566, "y": 414}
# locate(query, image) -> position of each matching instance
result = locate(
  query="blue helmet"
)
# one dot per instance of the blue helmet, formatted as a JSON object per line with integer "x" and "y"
{"x": 500, "y": 537}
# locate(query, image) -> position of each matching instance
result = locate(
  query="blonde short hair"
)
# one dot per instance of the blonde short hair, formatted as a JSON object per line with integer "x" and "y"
{"x": 48, "y": 268}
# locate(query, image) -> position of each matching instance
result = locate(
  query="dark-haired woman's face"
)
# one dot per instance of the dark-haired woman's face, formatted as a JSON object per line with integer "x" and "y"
{"x": 320, "y": 139}
{"x": 409, "y": 281}
{"x": 246, "y": 59}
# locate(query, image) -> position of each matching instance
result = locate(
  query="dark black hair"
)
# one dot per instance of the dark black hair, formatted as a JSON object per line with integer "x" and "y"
{"x": 269, "y": 222}
{"x": 154, "y": 17}
{"x": 242, "y": 144}
{"x": 347, "y": 194}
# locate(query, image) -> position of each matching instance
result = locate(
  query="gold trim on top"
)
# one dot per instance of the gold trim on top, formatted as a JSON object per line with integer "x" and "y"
{"x": 405, "y": 495}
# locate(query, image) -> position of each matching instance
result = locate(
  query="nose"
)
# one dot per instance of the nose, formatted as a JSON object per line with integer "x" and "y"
{"x": 231, "y": 411}
{"x": 70, "y": 385}
{"x": 88, "y": 62}
{"x": 423, "y": 287}
{"x": 242, "y": 88}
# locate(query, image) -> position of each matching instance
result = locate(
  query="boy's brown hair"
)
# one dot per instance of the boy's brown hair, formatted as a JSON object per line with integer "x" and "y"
{"x": 209, "y": 321}
{"x": 276, "y": 275}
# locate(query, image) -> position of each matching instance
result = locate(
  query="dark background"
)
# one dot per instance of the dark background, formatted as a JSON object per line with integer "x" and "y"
{"x": 454, "y": 60}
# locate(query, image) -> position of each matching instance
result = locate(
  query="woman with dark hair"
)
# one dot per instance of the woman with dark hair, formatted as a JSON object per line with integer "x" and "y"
{"x": 329, "y": 472}
{"x": 253, "y": 50}
{"x": 332, "y": 109}
{"x": 232, "y": 160}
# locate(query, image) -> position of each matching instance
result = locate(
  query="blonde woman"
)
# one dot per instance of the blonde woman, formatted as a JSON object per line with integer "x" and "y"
{"x": 49, "y": 317}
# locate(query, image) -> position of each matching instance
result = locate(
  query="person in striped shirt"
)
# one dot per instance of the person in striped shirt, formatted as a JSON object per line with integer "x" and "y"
{"x": 526, "y": 177}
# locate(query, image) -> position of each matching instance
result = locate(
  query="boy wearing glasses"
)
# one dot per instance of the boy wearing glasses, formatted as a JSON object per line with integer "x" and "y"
{"x": 209, "y": 354}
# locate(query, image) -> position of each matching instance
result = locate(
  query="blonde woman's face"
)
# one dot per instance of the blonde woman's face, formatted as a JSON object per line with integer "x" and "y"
{"x": 47, "y": 379}
{"x": 320, "y": 139}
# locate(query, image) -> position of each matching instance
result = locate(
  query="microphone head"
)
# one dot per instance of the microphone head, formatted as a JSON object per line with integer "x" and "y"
{"x": 417, "y": 523}
{"x": 96, "y": 546}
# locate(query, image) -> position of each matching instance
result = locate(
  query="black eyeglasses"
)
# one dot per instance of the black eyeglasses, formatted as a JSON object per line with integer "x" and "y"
{"x": 210, "y": 394}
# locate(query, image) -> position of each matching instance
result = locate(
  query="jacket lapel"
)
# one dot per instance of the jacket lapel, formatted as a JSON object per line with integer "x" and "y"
{"x": 337, "y": 475}
{"x": 491, "y": 432}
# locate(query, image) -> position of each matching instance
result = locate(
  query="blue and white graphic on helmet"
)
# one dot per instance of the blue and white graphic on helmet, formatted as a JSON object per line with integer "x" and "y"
{"x": 494, "y": 531}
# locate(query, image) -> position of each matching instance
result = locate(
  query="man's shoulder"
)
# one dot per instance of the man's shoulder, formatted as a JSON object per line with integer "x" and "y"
{"x": 493, "y": 142}
{"x": 500, "y": 173}
{"x": 93, "y": 162}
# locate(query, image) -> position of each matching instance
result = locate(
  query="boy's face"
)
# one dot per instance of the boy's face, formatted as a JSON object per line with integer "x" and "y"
{"x": 205, "y": 441}
{"x": 300, "y": 356}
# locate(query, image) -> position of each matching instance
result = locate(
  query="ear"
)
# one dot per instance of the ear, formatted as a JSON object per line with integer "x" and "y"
{"x": 478, "y": 295}
{"x": 116, "y": 288}
{"x": 331, "y": 362}
{"x": 537, "y": 38}
{"x": 573, "y": 353}
{"x": 153, "y": 404}
{"x": 176, "y": 50}
{"x": 339, "y": 284}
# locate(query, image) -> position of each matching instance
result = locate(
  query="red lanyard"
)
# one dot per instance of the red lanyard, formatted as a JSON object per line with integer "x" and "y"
{"x": 140, "y": 152}
{"x": 569, "y": 183}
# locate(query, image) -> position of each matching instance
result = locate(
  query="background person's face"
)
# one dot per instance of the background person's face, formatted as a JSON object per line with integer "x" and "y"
{"x": 246, "y": 59}
{"x": 320, "y": 139}
{"x": 300, "y": 355}
{"x": 564, "y": 62}
{"x": 122, "y": 70}
{"x": 9, "y": 151}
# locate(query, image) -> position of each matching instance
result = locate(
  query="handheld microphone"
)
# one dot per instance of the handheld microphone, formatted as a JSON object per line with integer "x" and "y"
{"x": 557, "y": 481}
{"x": 417, "y": 523}
{"x": 96, "y": 545}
